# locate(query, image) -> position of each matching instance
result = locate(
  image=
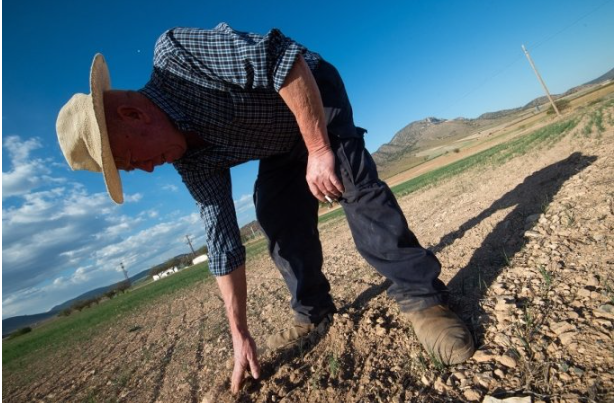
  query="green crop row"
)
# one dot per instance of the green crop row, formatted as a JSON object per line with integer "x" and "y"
{"x": 496, "y": 155}
{"x": 82, "y": 325}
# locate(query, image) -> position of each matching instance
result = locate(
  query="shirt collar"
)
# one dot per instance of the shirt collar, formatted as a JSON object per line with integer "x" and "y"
{"x": 157, "y": 96}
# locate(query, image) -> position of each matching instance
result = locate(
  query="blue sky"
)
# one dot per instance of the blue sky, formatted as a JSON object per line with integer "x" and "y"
{"x": 401, "y": 61}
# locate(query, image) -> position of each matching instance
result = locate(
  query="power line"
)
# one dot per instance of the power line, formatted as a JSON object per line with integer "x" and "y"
{"x": 480, "y": 85}
{"x": 541, "y": 42}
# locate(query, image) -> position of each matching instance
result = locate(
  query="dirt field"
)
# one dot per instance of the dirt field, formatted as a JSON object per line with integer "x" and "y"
{"x": 527, "y": 252}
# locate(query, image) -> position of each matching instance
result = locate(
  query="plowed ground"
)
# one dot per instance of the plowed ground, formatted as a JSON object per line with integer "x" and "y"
{"x": 176, "y": 350}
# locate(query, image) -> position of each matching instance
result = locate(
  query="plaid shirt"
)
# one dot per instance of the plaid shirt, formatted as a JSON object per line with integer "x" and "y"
{"x": 222, "y": 84}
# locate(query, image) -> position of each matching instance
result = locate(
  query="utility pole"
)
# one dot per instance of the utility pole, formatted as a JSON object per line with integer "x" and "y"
{"x": 121, "y": 265}
{"x": 526, "y": 52}
{"x": 189, "y": 242}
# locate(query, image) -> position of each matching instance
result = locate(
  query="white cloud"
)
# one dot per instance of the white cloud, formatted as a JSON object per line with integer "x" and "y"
{"x": 133, "y": 198}
{"x": 26, "y": 173}
{"x": 62, "y": 240}
{"x": 245, "y": 209}
{"x": 170, "y": 187}
{"x": 245, "y": 203}
{"x": 20, "y": 150}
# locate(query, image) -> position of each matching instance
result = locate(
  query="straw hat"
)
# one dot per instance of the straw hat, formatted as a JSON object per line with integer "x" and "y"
{"x": 82, "y": 131}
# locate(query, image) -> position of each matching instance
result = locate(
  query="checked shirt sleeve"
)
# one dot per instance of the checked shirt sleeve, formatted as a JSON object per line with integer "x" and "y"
{"x": 223, "y": 57}
{"x": 213, "y": 194}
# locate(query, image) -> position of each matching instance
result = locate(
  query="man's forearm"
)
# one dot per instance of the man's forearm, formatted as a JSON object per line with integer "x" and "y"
{"x": 233, "y": 288}
{"x": 300, "y": 92}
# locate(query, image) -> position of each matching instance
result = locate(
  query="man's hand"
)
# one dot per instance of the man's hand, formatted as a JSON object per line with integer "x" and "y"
{"x": 300, "y": 92}
{"x": 233, "y": 287}
{"x": 321, "y": 176}
{"x": 246, "y": 358}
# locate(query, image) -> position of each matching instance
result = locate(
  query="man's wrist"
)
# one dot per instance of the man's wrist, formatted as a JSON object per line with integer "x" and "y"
{"x": 319, "y": 152}
{"x": 239, "y": 330}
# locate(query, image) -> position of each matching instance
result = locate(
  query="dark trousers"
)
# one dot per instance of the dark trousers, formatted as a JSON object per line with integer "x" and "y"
{"x": 288, "y": 214}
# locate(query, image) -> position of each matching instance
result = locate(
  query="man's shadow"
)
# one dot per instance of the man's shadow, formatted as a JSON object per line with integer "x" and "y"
{"x": 471, "y": 282}
{"x": 529, "y": 198}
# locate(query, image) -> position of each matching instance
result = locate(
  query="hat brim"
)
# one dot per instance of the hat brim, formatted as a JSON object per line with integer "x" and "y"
{"x": 100, "y": 81}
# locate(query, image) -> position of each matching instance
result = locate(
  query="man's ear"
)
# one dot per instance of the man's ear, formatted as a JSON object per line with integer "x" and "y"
{"x": 133, "y": 114}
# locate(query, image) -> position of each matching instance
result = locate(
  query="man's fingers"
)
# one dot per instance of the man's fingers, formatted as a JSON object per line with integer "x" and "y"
{"x": 315, "y": 191}
{"x": 338, "y": 185}
{"x": 333, "y": 187}
{"x": 254, "y": 366}
{"x": 237, "y": 378}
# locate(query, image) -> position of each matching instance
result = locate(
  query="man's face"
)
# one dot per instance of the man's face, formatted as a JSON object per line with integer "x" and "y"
{"x": 154, "y": 146}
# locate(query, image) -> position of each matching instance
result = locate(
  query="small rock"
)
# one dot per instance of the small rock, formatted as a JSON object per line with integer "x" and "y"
{"x": 482, "y": 380}
{"x": 572, "y": 315}
{"x": 471, "y": 395}
{"x": 562, "y": 327}
{"x": 603, "y": 322}
{"x": 293, "y": 377}
{"x": 503, "y": 317}
{"x": 440, "y": 386}
{"x": 490, "y": 399}
{"x": 507, "y": 361}
{"x": 604, "y": 311}
{"x": 584, "y": 293}
{"x": 567, "y": 337}
{"x": 459, "y": 375}
{"x": 502, "y": 340}
{"x": 564, "y": 377}
{"x": 482, "y": 356}
{"x": 379, "y": 330}
{"x": 498, "y": 288}
{"x": 592, "y": 281}
{"x": 572, "y": 347}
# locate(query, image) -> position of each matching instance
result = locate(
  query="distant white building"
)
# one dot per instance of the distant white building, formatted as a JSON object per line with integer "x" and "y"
{"x": 165, "y": 273}
{"x": 200, "y": 259}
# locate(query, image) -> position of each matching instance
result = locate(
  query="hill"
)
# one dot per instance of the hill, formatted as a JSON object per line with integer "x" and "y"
{"x": 404, "y": 150}
{"x": 606, "y": 77}
{"x": 9, "y": 325}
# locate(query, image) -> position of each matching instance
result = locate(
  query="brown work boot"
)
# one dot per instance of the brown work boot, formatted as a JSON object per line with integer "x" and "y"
{"x": 297, "y": 333}
{"x": 442, "y": 334}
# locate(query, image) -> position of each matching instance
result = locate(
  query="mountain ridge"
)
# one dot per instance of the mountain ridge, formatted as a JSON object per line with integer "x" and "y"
{"x": 421, "y": 134}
